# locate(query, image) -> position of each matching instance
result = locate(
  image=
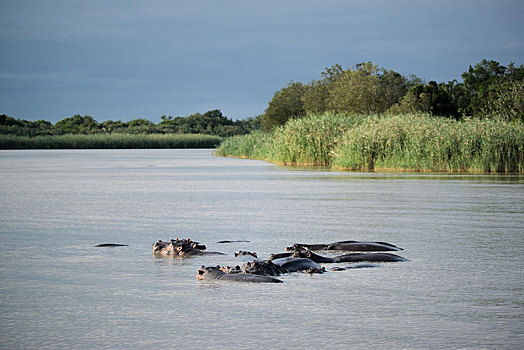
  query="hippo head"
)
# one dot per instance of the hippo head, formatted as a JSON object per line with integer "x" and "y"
{"x": 210, "y": 272}
{"x": 229, "y": 269}
{"x": 302, "y": 254}
{"x": 295, "y": 246}
{"x": 242, "y": 252}
{"x": 196, "y": 245}
{"x": 313, "y": 270}
{"x": 201, "y": 272}
{"x": 161, "y": 248}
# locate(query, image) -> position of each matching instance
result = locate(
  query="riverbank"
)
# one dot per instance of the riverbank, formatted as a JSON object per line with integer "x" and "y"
{"x": 110, "y": 141}
{"x": 387, "y": 142}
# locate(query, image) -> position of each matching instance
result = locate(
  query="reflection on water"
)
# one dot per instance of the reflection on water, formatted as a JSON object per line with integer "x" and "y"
{"x": 462, "y": 288}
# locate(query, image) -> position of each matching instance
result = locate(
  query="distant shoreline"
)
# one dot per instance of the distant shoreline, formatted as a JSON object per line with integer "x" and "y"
{"x": 110, "y": 141}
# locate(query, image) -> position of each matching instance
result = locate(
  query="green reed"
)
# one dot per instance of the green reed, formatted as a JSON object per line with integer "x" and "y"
{"x": 109, "y": 141}
{"x": 254, "y": 146}
{"x": 388, "y": 142}
{"x": 426, "y": 143}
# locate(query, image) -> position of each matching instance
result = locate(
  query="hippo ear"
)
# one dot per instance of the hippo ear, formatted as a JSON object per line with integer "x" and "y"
{"x": 255, "y": 254}
{"x": 236, "y": 254}
{"x": 188, "y": 240}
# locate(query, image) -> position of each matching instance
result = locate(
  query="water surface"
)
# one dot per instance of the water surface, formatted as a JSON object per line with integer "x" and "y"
{"x": 462, "y": 288}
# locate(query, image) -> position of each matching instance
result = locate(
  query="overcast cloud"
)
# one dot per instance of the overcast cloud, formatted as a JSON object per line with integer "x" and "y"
{"x": 128, "y": 59}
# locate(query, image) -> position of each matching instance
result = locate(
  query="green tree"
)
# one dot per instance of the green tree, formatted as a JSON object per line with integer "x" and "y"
{"x": 430, "y": 98}
{"x": 110, "y": 126}
{"x": 480, "y": 81}
{"x": 393, "y": 87}
{"x": 485, "y": 84}
{"x": 357, "y": 91}
{"x": 316, "y": 96}
{"x": 77, "y": 124}
{"x": 508, "y": 103}
{"x": 140, "y": 126}
{"x": 286, "y": 103}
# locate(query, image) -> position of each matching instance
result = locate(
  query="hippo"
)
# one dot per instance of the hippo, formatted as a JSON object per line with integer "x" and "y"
{"x": 279, "y": 255}
{"x": 293, "y": 264}
{"x": 313, "y": 270}
{"x": 360, "y": 265}
{"x": 110, "y": 245}
{"x": 353, "y": 257}
{"x": 239, "y": 241}
{"x": 243, "y": 252}
{"x": 214, "y": 273}
{"x": 364, "y": 246}
{"x": 267, "y": 267}
{"x": 180, "y": 248}
{"x": 354, "y": 246}
{"x": 229, "y": 269}
{"x": 186, "y": 250}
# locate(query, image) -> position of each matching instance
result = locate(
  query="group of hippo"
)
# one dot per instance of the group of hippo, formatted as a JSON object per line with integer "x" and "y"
{"x": 297, "y": 258}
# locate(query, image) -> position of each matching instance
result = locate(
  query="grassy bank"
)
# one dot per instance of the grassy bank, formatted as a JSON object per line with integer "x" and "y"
{"x": 109, "y": 141}
{"x": 391, "y": 142}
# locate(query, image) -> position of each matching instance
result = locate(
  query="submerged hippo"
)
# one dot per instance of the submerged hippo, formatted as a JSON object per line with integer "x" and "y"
{"x": 294, "y": 264}
{"x": 243, "y": 252}
{"x": 279, "y": 255}
{"x": 111, "y": 245}
{"x": 239, "y": 241}
{"x": 353, "y": 257}
{"x": 353, "y": 266}
{"x": 214, "y": 273}
{"x": 353, "y": 246}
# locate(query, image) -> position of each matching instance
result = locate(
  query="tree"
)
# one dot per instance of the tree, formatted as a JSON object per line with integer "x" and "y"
{"x": 316, "y": 96}
{"x": 486, "y": 82}
{"x": 77, "y": 125}
{"x": 286, "y": 103}
{"x": 393, "y": 87}
{"x": 479, "y": 81}
{"x": 357, "y": 91}
{"x": 140, "y": 126}
{"x": 508, "y": 103}
{"x": 110, "y": 126}
{"x": 430, "y": 98}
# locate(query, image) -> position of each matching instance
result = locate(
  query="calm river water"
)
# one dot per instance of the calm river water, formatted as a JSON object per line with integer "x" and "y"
{"x": 463, "y": 234}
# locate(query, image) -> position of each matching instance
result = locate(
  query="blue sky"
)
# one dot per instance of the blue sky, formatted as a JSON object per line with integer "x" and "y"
{"x": 127, "y": 59}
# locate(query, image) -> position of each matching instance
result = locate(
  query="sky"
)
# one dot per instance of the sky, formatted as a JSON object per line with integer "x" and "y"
{"x": 127, "y": 59}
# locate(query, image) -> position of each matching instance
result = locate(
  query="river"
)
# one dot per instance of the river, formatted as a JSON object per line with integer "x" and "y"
{"x": 463, "y": 286}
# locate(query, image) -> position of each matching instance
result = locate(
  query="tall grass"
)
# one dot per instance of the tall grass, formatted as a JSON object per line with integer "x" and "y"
{"x": 254, "y": 146}
{"x": 109, "y": 141}
{"x": 425, "y": 143}
{"x": 390, "y": 142}
{"x": 311, "y": 140}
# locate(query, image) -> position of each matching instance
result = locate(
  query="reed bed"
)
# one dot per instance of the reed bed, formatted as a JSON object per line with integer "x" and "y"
{"x": 253, "y": 146}
{"x": 109, "y": 141}
{"x": 388, "y": 142}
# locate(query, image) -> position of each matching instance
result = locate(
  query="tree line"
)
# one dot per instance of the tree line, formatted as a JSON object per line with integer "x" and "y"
{"x": 489, "y": 89}
{"x": 209, "y": 123}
